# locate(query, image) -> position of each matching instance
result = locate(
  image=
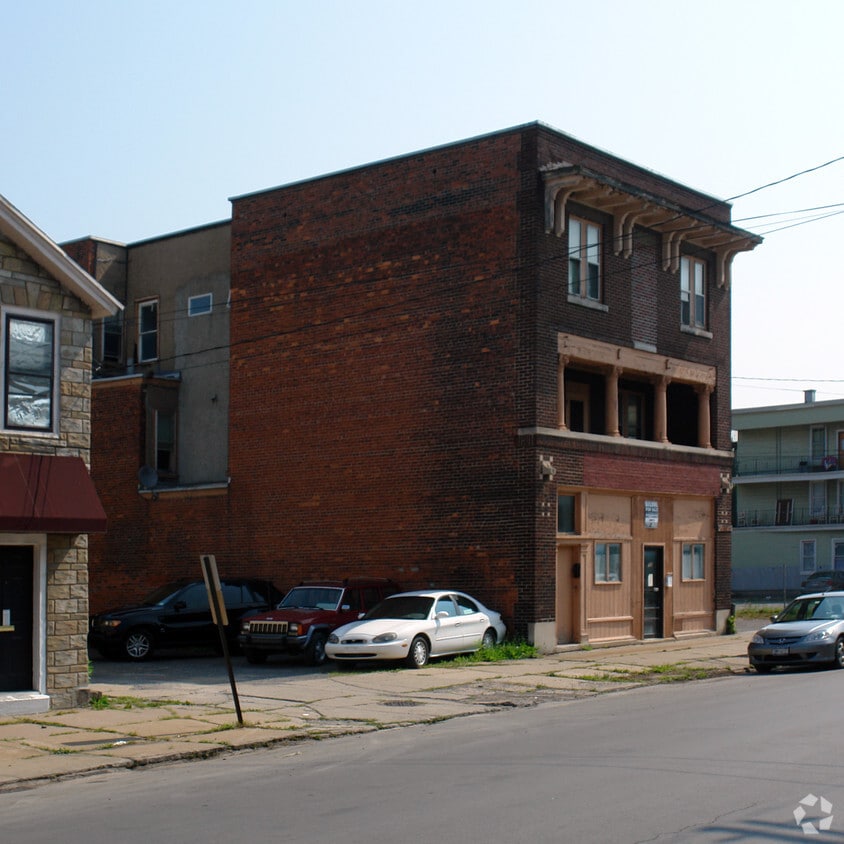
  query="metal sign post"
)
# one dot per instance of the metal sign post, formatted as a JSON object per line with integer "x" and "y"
{"x": 218, "y": 613}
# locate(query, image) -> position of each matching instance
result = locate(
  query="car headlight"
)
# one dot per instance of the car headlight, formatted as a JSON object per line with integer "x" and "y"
{"x": 294, "y": 629}
{"x": 334, "y": 639}
{"x": 819, "y": 636}
{"x": 110, "y": 622}
{"x": 385, "y": 637}
{"x": 757, "y": 639}
{"x": 244, "y": 626}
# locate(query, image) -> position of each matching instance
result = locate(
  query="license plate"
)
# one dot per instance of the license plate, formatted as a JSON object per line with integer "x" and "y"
{"x": 779, "y": 651}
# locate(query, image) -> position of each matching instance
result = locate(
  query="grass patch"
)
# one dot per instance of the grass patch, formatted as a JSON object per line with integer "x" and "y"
{"x": 756, "y": 612}
{"x": 101, "y": 701}
{"x": 501, "y": 652}
{"x": 655, "y": 674}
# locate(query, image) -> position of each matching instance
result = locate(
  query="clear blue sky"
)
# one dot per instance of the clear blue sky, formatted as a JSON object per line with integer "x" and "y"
{"x": 128, "y": 120}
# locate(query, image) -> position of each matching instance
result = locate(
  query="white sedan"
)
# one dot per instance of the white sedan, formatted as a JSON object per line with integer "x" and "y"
{"x": 414, "y": 626}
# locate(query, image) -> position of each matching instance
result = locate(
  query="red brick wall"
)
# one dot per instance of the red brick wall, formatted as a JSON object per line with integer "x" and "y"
{"x": 374, "y": 333}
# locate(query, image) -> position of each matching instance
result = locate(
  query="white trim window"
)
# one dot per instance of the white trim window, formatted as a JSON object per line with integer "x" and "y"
{"x": 607, "y": 562}
{"x": 148, "y": 330}
{"x": 30, "y": 371}
{"x": 201, "y": 304}
{"x": 693, "y": 561}
{"x": 693, "y": 292}
{"x": 584, "y": 259}
{"x": 808, "y": 556}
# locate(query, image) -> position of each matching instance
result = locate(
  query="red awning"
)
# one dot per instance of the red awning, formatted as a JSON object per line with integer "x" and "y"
{"x": 40, "y": 493}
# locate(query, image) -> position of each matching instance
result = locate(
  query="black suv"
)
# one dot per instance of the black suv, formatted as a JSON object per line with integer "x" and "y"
{"x": 177, "y": 615}
{"x": 309, "y": 612}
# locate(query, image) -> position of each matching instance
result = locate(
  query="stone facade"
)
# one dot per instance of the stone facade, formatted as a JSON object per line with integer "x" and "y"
{"x": 60, "y": 656}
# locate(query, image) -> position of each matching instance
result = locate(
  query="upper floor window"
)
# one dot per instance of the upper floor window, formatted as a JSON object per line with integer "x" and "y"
{"x": 198, "y": 305}
{"x": 29, "y": 372}
{"x": 165, "y": 443}
{"x": 692, "y": 292}
{"x": 584, "y": 259}
{"x": 112, "y": 337}
{"x": 631, "y": 414}
{"x": 148, "y": 330}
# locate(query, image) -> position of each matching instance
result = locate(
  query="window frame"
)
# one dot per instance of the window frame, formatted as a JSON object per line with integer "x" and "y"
{"x": 199, "y": 310}
{"x": 575, "y": 503}
{"x": 111, "y": 327}
{"x": 693, "y": 301}
{"x": 579, "y": 255}
{"x": 693, "y": 561}
{"x": 808, "y": 545}
{"x": 143, "y": 335}
{"x": 603, "y": 573}
{"x": 169, "y": 471}
{"x": 7, "y": 316}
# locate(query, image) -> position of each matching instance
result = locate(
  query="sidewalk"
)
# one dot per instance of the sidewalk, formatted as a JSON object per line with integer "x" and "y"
{"x": 146, "y": 725}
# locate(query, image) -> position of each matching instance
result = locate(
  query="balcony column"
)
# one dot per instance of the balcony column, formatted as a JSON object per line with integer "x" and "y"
{"x": 562, "y": 360}
{"x": 661, "y": 409}
{"x": 703, "y": 432}
{"x": 611, "y": 402}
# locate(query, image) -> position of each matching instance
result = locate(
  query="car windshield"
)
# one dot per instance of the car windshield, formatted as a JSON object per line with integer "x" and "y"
{"x": 160, "y": 595}
{"x": 814, "y": 609}
{"x": 312, "y": 597}
{"x": 408, "y": 607}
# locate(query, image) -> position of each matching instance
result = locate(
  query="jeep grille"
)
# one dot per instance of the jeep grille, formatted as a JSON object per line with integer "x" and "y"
{"x": 277, "y": 627}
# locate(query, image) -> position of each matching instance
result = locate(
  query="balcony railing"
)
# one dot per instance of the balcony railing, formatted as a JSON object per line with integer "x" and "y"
{"x": 798, "y": 516}
{"x": 785, "y": 465}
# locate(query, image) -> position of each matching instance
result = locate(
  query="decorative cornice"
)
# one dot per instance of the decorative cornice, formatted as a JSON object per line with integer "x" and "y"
{"x": 631, "y": 206}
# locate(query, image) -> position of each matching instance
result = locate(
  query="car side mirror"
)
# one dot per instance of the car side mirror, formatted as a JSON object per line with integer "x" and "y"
{"x": 180, "y": 605}
{"x": 774, "y": 617}
{"x": 441, "y": 614}
{"x": 361, "y": 614}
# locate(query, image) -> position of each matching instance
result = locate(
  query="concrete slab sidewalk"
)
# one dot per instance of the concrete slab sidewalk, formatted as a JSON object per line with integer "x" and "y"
{"x": 157, "y": 723}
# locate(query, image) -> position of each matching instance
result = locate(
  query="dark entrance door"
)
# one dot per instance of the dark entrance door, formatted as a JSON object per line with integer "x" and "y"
{"x": 15, "y": 618}
{"x": 653, "y": 593}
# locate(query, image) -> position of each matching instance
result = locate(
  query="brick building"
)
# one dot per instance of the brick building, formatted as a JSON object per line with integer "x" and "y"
{"x": 501, "y": 365}
{"x": 48, "y": 504}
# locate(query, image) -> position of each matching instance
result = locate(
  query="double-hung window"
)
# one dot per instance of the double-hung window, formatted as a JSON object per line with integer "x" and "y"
{"x": 29, "y": 372}
{"x": 148, "y": 330}
{"x": 584, "y": 259}
{"x": 692, "y": 292}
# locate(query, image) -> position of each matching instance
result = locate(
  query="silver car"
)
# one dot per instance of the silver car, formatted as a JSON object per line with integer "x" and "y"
{"x": 808, "y": 631}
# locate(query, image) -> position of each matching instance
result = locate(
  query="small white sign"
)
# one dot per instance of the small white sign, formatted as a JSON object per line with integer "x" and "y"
{"x": 651, "y": 514}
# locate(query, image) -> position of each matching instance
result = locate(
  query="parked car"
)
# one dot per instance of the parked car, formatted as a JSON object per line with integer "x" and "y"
{"x": 301, "y": 623}
{"x": 177, "y": 615}
{"x": 414, "y": 626}
{"x": 808, "y": 631}
{"x": 823, "y": 581}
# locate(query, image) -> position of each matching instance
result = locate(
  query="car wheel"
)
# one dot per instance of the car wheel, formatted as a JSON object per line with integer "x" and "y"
{"x": 254, "y": 657}
{"x": 838, "y": 662}
{"x": 489, "y": 639}
{"x": 762, "y": 668}
{"x": 138, "y": 645}
{"x": 417, "y": 656}
{"x": 315, "y": 652}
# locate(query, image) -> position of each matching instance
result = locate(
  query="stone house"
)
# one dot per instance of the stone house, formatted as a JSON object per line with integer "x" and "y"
{"x": 501, "y": 365}
{"x": 48, "y": 504}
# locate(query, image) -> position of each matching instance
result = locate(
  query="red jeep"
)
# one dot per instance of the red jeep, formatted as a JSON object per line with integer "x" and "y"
{"x": 300, "y": 624}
